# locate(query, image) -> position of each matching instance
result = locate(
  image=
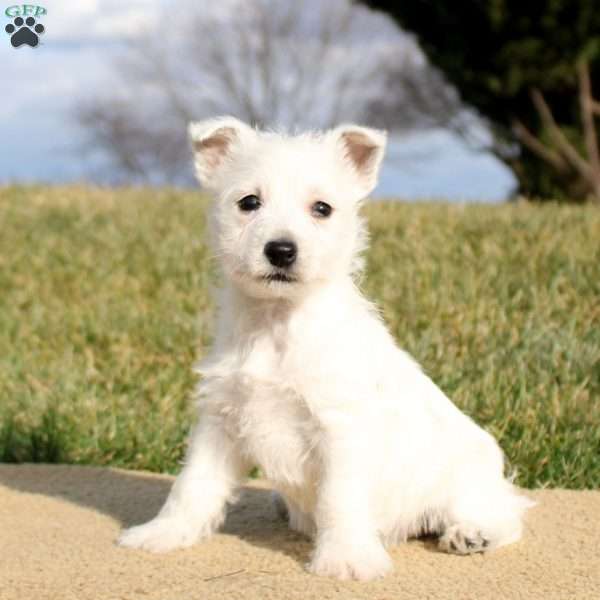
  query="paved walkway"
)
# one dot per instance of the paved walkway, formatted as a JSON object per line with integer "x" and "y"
{"x": 58, "y": 525}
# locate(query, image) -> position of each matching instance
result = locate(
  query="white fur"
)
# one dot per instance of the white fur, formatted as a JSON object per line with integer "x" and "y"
{"x": 305, "y": 381}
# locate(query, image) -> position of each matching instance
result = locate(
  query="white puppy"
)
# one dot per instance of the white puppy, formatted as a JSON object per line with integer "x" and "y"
{"x": 305, "y": 381}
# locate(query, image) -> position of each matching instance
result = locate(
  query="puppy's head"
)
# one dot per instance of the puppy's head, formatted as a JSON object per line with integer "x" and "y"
{"x": 285, "y": 216}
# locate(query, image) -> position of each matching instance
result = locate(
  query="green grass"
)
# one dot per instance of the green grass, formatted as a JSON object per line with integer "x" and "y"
{"x": 104, "y": 305}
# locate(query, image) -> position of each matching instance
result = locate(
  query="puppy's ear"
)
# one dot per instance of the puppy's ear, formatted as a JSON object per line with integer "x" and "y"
{"x": 362, "y": 149}
{"x": 213, "y": 141}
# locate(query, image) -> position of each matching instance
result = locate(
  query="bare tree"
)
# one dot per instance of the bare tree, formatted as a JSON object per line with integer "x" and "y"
{"x": 278, "y": 63}
{"x": 415, "y": 96}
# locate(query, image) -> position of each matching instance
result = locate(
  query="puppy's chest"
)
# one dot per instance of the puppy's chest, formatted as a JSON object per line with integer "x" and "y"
{"x": 273, "y": 427}
{"x": 262, "y": 405}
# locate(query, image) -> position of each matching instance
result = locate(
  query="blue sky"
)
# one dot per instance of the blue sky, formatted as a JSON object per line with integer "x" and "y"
{"x": 40, "y": 142}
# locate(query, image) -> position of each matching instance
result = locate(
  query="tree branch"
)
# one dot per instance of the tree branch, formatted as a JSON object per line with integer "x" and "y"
{"x": 537, "y": 147}
{"x": 561, "y": 141}
{"x": 589, "y": 127}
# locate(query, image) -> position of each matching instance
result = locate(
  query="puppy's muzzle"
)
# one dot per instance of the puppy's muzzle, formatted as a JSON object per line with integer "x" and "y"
{"x": 281, "y": 253}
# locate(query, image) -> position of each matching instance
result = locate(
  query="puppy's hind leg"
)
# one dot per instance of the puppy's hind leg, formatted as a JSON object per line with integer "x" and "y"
{"x": 484, "y": 519}
{"x": 464, "y": 538}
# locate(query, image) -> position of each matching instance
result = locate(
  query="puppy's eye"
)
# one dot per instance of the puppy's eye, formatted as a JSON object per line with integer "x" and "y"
{"x": 249, "y": 203}
{"x": 321, "y": 210}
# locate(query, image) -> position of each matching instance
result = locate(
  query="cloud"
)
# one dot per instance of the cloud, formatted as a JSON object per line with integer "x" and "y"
{"x": 97, "y": 20}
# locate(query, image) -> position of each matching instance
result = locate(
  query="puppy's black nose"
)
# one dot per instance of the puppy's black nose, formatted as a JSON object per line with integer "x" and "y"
{"x": 281, "y": 253}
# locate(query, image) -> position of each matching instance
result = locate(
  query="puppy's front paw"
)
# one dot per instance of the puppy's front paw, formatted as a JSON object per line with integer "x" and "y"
{"x": 159, "y": 535}
{"x": 369, "y": 561}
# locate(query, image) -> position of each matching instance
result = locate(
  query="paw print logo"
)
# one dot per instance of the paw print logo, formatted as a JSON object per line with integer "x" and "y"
{"x": 24, "y": 32}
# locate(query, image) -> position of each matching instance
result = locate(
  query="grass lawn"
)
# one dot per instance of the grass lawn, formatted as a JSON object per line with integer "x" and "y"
{"x": 104, "y": 305}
